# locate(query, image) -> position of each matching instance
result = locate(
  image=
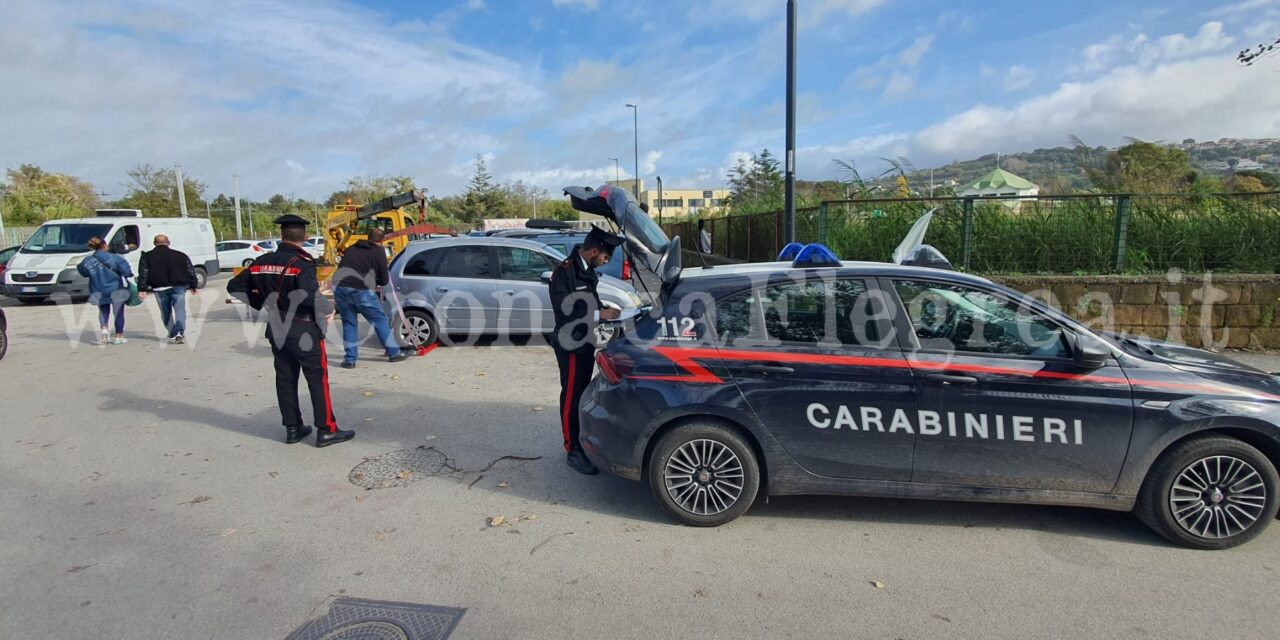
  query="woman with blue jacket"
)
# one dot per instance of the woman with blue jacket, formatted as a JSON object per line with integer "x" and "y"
{"x": 106, "y": 272}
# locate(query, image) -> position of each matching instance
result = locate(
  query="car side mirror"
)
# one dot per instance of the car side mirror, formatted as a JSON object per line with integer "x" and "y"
{"x": 545, "y": 277}
{"x": 1090, "y": 352}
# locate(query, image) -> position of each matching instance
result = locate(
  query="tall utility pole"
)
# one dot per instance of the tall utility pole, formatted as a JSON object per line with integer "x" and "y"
{"x": 239, "y": 231}
{"x": 251, "y": 231}
{"x": 635, "y": 119}
{"x": 789, "y": 229}
{"x": 182, "y": 193}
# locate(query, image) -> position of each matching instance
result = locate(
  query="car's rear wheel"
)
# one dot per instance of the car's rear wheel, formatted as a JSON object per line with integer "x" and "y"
{"x": 202, "y": 278}
{"x": 704, "y": 474}
{"x": 1210, "y": 492}
{"x": 248, "y": 262}
{"x": 419, "y": 329}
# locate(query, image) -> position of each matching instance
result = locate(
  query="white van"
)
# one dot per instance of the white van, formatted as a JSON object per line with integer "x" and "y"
{"x": 46, "y": 264}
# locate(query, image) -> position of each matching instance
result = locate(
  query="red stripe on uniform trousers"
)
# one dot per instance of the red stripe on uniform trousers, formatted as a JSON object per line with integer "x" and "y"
{"x": 568, "y": 400}
{"x": 329, "y": 420}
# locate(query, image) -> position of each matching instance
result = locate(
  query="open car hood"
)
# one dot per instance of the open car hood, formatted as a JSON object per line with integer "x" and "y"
{"x": 645, "y": 240}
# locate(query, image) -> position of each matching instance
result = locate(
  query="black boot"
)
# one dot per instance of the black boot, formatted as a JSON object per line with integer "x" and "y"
{"x": 578, "y": 460}
{"x": 296, "y": 434}
{"x": 326, "y": 438}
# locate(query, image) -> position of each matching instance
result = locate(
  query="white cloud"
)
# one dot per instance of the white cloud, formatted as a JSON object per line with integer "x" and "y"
{"x": 1245, "y": 6}
{"x": 1210, "y": 38}
{"x": 474, "y": 5}
{"x": 899, "y": 84}
{"x": 911, "y": 55}
{"x": 585, "y": 5}
{"x": 649, "y": 165}
{"x": 1018, "y": 77}
{"x": 1207, "y": 98}
{"x": 810, "y": 12}
{"x": 1142, "y": 49}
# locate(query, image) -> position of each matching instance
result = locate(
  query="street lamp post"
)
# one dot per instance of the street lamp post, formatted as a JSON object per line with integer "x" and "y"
{"x": 635, "y": 121}
{"x": 617, "y": 173}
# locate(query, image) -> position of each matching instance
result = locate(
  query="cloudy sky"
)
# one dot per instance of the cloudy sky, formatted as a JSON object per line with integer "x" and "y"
{"x": 297, "y": 95}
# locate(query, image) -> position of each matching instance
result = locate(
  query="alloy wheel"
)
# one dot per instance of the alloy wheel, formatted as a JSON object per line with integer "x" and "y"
{"x": 1218, "y": 497}
{"x": 704, "y": 477}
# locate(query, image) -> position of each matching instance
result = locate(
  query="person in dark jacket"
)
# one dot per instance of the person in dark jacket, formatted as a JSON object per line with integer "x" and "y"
{"x": 169, "y": 274}
{"x": 577, "y": 310}
{"x": 284, "y": 283}
{"x": 361, "y": 274}
{"x": 108, "y": 288}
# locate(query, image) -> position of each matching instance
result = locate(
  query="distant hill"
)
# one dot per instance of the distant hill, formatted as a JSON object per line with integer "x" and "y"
{"x": 1062, "y": 166}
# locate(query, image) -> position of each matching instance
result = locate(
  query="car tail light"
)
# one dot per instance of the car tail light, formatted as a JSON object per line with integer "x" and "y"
{"x": 626, "y": 269}
{"x": 613, "y": 366}
{"x": 256, "y": 248}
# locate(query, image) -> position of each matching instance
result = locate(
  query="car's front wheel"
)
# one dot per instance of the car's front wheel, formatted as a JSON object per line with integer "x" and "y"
{"x": 1210, "y": 492}
{"x": 704, "y": 474}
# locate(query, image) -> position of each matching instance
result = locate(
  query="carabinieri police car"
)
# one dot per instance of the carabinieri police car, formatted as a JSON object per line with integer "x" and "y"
{"x": 816, "y": 376}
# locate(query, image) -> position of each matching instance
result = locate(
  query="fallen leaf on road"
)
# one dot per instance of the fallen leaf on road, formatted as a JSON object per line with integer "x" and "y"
{"x": 535, "y": 408}
{"x": 197, "y": 500}
{"x": 82, "y": 567}
{"x": 366, "y": 393}
{"x": 497, "y": 521}
{"x": 404, "y": 474}
{"x": 366, "y": 419}
{"x": 503, "y": 485}
{"x": 877, "y": 584}
{"x": 394, "y": 377}
{"x": 482, "y": 374}
{"x": 270, "y": 473}
{"x": 228, "y": 532}
{"x": 359, "y": 497}
{"x": 381, "y": 536}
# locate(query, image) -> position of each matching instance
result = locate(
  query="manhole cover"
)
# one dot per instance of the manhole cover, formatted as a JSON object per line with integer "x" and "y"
{"x": 351, "y": 619}
{"x": 376, "y": 630}
{"x": 398, "y": 468}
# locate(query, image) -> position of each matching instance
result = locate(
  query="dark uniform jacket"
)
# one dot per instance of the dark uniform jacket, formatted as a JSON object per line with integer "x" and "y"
{"x": 575, "y": 303}
{"x": 363, "y": 266}
{"x": 284, "y": 283}
{"x": 165, "y": 267}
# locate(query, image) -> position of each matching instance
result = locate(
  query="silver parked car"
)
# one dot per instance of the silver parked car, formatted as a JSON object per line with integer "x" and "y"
{"x": 482, "y": 286}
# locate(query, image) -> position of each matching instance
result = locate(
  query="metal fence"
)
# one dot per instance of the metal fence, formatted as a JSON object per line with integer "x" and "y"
{"x": 12, "y": 236}
{"x": 1084, "y": 234}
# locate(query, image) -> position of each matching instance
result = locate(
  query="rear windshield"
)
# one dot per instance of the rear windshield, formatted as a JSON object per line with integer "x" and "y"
{"x": 65, "y": 238}
{"x": 641, "y": 227}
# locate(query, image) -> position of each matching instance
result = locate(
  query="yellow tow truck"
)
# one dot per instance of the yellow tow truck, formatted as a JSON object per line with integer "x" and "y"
{"x": 349, "y": 223}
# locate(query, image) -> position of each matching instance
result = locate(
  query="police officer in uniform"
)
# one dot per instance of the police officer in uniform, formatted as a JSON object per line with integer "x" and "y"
{"x": 577, "y": 310}
{"x": 284, "y": 283}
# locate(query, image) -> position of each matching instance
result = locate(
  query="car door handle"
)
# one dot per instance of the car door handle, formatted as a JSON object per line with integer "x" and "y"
{"x": 947, "y": 379}
{"x": 769, "y": 368}
{"x": 442, "y": 289}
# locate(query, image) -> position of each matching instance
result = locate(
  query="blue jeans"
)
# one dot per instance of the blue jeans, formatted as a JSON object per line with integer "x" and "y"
{"x": 353, "y": 303}
{"x": 173, "y": 309}
{"x": 105, "y": 311}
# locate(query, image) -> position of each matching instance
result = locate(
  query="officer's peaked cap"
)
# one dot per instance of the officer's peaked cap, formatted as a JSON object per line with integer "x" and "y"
{"x": 600, "y": 238}
{"x": 290, "y": 220}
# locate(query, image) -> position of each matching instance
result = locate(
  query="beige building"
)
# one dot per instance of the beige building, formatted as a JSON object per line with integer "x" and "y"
{"x": 678, "y": 202}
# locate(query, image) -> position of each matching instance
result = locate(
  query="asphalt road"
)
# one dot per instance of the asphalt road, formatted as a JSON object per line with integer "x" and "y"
{"x": 145, "y": 494}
